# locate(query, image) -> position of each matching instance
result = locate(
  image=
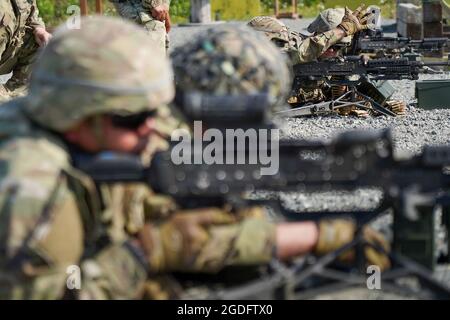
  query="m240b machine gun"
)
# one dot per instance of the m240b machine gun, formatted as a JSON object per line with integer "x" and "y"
{"x": 412, "y": 189}
{"x": 342, "y": 72}
{"x": 401, "y": 44}
{"x": 374, "y": 41}
{"x": 375, "y": 69}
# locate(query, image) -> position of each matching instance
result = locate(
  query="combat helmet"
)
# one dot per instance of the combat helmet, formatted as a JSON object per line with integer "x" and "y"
{"x": 108, "y": 66}
{"x": 327, "y": 20}
{"x": 272, "y": 28}
{"x": 232, "y": 61}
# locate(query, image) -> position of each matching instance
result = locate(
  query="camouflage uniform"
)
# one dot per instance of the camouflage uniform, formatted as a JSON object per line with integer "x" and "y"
{"x": 300, "y": 48}
{"x": 139, "y": 11}
{"x": 18, "y": 47}
{"x": 318, "y": 91}
{"x": 329, "y": 19}
{"x": 310, "y": 92}
{"x": 53, "y": 216}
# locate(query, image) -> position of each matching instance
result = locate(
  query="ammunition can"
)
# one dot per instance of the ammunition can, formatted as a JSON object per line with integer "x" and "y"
{"x": 433, "y": 94}
{"x": 416, "y": 239}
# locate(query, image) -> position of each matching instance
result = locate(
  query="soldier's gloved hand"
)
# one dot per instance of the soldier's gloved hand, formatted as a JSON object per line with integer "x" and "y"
{"x": 175, "y": 244}
{"x": 41, "y": 36}
{"x": 334, "y": 234}
{"x": 160, "y": 12}
{"x": 355, "y": 21}
{"x": 397, "y": 106}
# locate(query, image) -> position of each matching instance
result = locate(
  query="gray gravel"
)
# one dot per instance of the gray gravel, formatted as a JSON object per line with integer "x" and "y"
{"x": 411, "y": 132}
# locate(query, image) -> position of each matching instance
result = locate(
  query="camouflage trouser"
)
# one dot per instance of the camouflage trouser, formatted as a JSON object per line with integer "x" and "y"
{"x": 134, "y": 11}
{"x": 17, "y": 56}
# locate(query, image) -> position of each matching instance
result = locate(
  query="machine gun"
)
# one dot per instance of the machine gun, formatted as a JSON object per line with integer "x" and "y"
{"x": 370, "y": 41}
{"x": 375, "y": 69}
{"x": 412, "y": 189}
{"x": 340, "y": 72}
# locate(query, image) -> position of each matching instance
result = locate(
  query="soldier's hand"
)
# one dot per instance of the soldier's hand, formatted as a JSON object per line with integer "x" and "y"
{"x": 334, "y": 234}
{"x": 175, "y": 244}
{"x": 355, "y": 21}
{"x": 42, "y": 36}
{"x": 160, "y": 12}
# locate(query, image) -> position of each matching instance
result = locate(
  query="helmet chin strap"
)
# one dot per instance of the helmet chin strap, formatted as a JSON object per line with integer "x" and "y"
{"x": 97, "y": 129}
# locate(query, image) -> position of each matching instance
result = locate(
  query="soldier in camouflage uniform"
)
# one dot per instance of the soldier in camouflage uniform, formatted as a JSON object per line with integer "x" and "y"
{"x": 84, "y": 101}
{"x": 328, "y": 20}
{"x": 83, "y": 98}
{"x": 301, "y": 48}
{"x": 153, "y": 15}
{"x": 310, "y": 92}
{"x": 22, "y": 32}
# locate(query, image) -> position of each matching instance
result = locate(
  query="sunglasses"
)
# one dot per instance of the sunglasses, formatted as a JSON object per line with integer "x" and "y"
{"x": 133, "y": 121}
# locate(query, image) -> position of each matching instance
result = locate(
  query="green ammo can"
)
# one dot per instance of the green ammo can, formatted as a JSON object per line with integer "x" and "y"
{"x": 378, "y": 90}
{"x": 433, "y": 94}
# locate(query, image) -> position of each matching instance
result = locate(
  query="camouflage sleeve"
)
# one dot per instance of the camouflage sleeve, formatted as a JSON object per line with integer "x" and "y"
{"x": 35, "y": 19}
{"x": 149, "y": 4}
{"x": 311, "y": 48}
{"x": 248, "y": 241}
{"x": 117, "y": 272}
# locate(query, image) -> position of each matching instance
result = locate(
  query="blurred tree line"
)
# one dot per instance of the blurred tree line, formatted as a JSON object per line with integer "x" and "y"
{"x": 55, "y": 11}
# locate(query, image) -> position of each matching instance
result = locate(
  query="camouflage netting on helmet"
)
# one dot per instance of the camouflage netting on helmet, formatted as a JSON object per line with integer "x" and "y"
{"x": 232, "y": 61}
{"x": 108, "y": 66}
{"x": 272, "y": 27}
